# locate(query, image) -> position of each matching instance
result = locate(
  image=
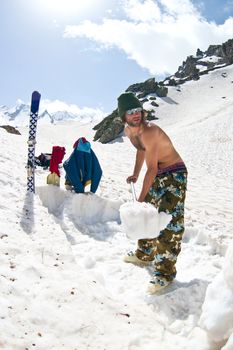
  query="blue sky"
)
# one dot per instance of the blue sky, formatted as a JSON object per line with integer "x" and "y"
{"x": 86, "y": 52}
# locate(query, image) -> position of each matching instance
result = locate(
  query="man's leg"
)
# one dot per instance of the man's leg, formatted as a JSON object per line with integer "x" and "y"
{"x": 168, "y": 245}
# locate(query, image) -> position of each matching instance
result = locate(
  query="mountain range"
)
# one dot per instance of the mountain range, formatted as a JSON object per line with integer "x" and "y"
{"x": 19, "y": 115}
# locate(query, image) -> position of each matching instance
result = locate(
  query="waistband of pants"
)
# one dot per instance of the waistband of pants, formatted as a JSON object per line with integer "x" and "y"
{"x": 176, "y": 167}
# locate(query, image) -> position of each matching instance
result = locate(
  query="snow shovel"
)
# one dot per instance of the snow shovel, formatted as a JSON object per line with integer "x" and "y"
{"x": 53, "y": 179}
{"x": 133, "y": 192}
{"x": 142, "y": 220}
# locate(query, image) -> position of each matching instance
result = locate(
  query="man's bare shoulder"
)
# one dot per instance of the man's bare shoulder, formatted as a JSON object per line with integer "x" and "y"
{"x": 152, "y": 129}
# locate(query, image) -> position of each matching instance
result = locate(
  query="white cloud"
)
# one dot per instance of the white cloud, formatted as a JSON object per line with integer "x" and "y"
{"x": 57, "y": 105}
{"x": 179, "y": 7}
{"x": 145, "y": 12}
{"x": 158, "y": 35}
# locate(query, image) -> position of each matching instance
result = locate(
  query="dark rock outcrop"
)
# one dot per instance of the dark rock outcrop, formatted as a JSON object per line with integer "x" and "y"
{"x": 190, "y": 69}
{"x": 10, "y": 129}
{"x": 228, "y": 51}
{"x": 109, "y": 128}
{"x": 199, "y": 53}
{"x": 149, "y": 86}
{"x": 225, "y": 51}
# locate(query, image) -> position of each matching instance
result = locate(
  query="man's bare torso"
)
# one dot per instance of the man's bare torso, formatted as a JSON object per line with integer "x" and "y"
{"x": 151, "y": 138}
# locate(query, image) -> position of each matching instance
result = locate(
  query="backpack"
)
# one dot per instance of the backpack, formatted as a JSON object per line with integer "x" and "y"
{"x": 43, "y": 160}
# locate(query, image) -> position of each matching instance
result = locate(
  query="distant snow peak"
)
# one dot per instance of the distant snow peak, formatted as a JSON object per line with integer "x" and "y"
{"x": 19, "y": 102}
{"x": 63, "y": 115}
{"x": 3, "y": 108}
{"x": 19, "y": 114}
{"x": 46, "y": 116}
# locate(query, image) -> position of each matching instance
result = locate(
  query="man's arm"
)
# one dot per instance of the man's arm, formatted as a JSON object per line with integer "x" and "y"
{"x": 152, "y": 168}
{"x": 140, "y": 157}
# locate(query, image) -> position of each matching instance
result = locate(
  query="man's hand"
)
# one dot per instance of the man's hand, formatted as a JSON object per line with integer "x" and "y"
{"x": 141, "y": 200}
{"x": 132, "y": 178}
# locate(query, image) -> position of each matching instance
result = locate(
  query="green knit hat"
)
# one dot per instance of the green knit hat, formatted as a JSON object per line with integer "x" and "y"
{"x": 127, "y": 101}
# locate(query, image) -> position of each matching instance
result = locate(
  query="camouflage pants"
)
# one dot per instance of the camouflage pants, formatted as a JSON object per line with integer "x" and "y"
{"x": 167, "y": 193}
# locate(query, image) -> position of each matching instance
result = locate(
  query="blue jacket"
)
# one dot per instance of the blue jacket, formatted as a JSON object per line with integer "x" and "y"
{"x": 83, "y": 168}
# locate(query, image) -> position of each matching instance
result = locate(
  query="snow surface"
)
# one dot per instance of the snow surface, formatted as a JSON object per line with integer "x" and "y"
{"x": 213, "y": 59}
{"x": 63, "y": 281}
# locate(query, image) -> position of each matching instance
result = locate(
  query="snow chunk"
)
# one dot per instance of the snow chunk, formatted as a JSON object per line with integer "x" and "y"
{"x": 227, "y": 267}
{"x": 142, "y": 220}
{"x": 86, "y": 208}
{"x": 217, "y": 312}
{"x": 90, "y": 209}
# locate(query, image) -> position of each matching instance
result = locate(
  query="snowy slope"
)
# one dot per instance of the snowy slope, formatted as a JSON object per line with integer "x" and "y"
{"x": 63, "y": 282}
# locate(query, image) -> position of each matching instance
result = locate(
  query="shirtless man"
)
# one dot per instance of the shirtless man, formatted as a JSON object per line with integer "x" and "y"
{"x": 164, "y": 186}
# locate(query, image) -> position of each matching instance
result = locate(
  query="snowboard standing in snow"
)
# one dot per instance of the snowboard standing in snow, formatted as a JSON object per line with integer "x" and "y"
{"x": 32, "y": 141}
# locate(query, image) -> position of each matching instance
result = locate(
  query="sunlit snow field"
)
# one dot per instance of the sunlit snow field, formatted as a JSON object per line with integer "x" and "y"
{"x": 63, "y": 281}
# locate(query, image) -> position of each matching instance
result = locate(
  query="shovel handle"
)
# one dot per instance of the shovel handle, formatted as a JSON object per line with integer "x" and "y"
{"x": 133, "y": 192}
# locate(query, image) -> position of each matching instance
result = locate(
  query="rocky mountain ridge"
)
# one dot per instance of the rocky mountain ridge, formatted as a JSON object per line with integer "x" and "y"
{"x": 215, "y": 57}
{"x": 150, "y": 91}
